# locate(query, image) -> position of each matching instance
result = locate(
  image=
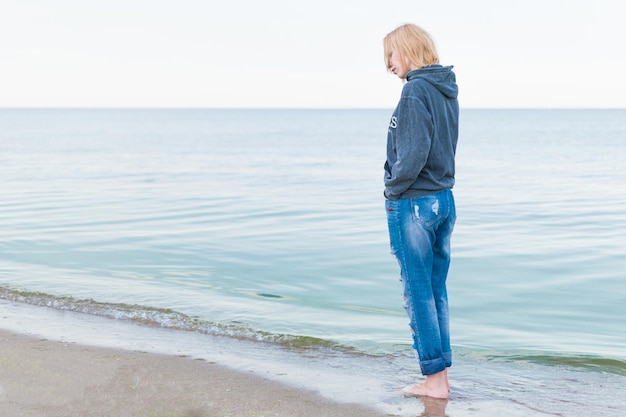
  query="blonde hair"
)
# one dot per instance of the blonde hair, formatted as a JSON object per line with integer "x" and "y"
{"x": 413, "y": 43}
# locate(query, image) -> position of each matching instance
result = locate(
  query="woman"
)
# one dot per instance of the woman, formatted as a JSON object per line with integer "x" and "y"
{"x": 419, "y": 176}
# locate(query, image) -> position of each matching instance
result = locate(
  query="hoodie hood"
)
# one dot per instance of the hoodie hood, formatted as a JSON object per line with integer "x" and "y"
{"x": 442, "y": 78}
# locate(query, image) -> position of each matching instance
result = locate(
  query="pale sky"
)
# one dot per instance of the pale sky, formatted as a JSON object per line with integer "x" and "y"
{"x": 314, "y": 54}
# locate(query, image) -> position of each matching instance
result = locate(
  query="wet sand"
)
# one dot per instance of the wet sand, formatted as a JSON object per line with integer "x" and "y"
{"x": 43, "y": 378}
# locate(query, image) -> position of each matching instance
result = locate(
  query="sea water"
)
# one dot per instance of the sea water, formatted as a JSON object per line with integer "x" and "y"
{"x": 268, "y": 226}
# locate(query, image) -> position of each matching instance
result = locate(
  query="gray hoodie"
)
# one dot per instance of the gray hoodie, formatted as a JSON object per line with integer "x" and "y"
{"x": 422, "y": 135}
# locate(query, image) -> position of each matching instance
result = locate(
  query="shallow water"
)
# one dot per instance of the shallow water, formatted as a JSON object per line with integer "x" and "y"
{"x": 269, "y": 225}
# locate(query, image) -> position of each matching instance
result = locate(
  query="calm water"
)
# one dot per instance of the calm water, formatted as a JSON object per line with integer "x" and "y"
{"x": 269, "y": 225}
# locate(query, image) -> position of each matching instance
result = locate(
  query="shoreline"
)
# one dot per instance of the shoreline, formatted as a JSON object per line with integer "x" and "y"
{"x": 55, "y": 378}
{"x": 331, "y": 376}
{"x": 57, "y": 363}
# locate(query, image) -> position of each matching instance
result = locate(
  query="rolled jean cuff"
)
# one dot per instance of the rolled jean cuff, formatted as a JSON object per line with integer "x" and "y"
{"x": 433, "y": 366}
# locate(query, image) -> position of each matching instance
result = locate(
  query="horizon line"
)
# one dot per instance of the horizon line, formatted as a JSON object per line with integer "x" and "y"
{"x": 284, "y": 108}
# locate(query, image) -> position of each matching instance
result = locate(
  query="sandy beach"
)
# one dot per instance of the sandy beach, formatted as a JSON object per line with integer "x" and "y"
{"x": 43, "y": 378}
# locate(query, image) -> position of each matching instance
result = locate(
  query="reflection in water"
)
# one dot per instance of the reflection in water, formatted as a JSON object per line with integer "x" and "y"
{"x": 433, "y": 407}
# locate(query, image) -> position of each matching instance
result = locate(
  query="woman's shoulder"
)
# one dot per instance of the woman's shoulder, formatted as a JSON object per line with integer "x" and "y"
{"x": 414, "y": 88}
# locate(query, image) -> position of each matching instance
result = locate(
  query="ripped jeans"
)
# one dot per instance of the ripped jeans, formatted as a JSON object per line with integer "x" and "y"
{"x": 420, "y": 231}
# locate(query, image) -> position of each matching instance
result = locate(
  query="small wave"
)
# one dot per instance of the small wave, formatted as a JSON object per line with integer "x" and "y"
{"x": 583, "y": 362}
{"x": 166, "y": 318}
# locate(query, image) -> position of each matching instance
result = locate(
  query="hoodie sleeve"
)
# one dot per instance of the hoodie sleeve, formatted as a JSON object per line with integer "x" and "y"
{"x": 412, "y": 145}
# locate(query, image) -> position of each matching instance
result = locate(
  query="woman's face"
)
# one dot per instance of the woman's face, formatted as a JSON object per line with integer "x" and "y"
{"x": 399, "y": 65}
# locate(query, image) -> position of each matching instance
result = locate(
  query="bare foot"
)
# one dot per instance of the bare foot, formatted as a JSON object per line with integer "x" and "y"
{"x": 435, "y": 386}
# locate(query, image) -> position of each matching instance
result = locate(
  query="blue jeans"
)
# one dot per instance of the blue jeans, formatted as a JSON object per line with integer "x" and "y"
{"x": 420, "y": 231}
